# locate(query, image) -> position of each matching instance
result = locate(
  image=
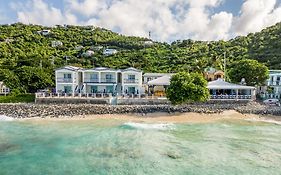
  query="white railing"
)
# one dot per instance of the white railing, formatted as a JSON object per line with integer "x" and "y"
{"x": 95, "y": 95}
{"x": 231, "y": 97}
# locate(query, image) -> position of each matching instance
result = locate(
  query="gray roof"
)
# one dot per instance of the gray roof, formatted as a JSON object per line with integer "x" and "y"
{"x": 71, "y": 68}
{"x": 221, "y": 84}
{"x": 103, "y": 69}
{"x": 162, "y": 81}
{"x": 131, "y": 69}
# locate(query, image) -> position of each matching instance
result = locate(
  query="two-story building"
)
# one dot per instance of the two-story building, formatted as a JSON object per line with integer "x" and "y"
{"x": 68, "y": 79}
{"x": 131, "y": 80}
{"x": 71, "y": 79}
{"x": 272, "y": 88}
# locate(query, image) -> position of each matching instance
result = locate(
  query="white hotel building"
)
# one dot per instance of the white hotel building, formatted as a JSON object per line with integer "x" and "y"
{"x": 73, "y": 80}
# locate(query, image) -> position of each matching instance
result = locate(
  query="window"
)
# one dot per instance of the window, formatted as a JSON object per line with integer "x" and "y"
{"x": 67, "y": 76}
{"x": 108, "y": 76}
{"x": 131, "y": 77}
{"x": 94, "y": 76}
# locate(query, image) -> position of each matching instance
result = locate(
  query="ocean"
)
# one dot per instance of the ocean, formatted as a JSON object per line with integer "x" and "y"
{"x": 103, "y": 147}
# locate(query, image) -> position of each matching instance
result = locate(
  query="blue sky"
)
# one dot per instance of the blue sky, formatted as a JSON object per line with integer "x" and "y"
{"x": 167, "y": 19}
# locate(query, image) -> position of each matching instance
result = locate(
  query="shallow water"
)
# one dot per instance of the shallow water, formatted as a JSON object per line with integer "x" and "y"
{"x": 110, "y": 147}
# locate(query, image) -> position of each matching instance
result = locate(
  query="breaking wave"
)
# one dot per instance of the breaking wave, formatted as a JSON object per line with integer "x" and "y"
{"x": 265, "y": 121}
{"x": 6, "y": 118}
{"x": 147, "y": 126}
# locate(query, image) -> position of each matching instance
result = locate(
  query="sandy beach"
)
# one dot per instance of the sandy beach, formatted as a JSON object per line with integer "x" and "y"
{"x": 165, "y": 117}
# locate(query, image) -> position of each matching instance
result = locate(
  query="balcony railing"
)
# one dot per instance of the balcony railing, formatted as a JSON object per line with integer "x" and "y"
{"x": 273, "y": 83}
{"x": 103, "y": 80}
{"x": 91, "y": 80}
{"x": 64, "y": 80}
{"x": 131, "y": 81}
{"x": 231, "y": 97}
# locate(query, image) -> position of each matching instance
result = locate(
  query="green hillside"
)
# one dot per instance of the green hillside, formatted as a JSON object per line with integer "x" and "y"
{"x": 28, "y": 60}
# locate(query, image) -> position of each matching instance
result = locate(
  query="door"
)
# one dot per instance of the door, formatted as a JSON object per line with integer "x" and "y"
{"x": 67, "y": 89}
{"x": 94, "y": 89}
{"x": 131, "y": 90}
{"x": 109, "y": 89}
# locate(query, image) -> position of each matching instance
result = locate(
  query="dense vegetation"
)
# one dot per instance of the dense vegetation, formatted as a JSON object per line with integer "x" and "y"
{"x": 28, "y": 60}
{"x": 187, "y": 87}
{"x": 252, "y": 71}
{"x": 18, "y": 98}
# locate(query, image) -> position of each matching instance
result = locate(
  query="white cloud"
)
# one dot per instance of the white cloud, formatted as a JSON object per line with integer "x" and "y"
{"x": 256, "y": 15}
{"x": 39, "y": 12}
{"x": 166, "y": 19}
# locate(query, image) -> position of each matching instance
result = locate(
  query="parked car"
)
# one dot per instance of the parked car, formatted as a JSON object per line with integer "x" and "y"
{"x": 272, "y": 101}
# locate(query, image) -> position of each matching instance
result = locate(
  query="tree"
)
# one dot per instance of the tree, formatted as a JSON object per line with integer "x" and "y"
{"x": 254, "y": 73}
{"x": 187, "y": 87}
{"x": 34, "y": 78}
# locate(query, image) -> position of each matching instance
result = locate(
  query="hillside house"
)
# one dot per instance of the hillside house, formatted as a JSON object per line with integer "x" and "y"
{"x": 56, "y": 44}
{"x": 108, "y": 52}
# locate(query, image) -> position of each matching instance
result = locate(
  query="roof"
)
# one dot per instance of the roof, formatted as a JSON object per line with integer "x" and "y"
{"x": 131, "y": 69}
{"x": 221, "y": 84}
{"x": 162, "y": 81}
{"x": 71, "y": 68}
{"x": 156, "y": 74}
{"x": 99, "y": 69}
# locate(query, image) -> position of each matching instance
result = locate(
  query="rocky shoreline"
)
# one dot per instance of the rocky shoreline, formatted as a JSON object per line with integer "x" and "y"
{"x": 70, "y": 110}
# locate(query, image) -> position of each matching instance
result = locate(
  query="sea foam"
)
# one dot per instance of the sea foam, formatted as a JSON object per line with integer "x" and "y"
{"x": 6, "y": 118}
{"x": 265, "y": 121}
{"x": 147, "y": 126}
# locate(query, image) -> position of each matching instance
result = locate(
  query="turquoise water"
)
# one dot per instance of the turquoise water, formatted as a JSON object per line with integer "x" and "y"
{"x": 111, "y": 147}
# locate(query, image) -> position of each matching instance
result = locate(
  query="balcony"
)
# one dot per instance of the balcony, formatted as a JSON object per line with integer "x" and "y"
{"x": 274, "y": 83}
{"x": 131, "y": 81}
{"x": 64, "y": 80}
{"x": 102, "y": 81}
{"x": 91, "y": 80}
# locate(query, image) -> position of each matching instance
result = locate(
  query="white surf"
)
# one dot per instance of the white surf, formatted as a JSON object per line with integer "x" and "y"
{"x": 6, "y": 118}
{"x": 160, "y": 126}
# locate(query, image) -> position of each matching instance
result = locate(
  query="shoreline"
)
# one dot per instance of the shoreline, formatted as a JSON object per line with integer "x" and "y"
{"x": 164, "y": 118}
{"x": 189, "y": 113}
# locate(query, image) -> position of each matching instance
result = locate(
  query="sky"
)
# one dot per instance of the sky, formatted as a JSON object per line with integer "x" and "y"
{"x": 167, "y": 20}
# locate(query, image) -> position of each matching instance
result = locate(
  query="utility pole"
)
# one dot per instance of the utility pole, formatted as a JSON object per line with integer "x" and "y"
{"x": 224, "y": 65}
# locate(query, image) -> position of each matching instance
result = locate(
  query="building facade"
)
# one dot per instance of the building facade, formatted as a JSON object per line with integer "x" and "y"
{"x": 68, "y": 80}
{"x": 272, "y": 88}
{"x": 99, "y": 80}
{"x": 211, "y": 74}
{"x": 4, "y": 89}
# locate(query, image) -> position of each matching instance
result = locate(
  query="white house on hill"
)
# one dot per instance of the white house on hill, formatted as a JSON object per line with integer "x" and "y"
{"x": 108, "y": 52}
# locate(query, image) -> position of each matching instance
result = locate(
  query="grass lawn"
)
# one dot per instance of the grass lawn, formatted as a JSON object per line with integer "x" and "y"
{"x": 21, "y": 98}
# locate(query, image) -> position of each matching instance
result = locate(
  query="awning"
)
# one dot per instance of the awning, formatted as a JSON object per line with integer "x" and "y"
{"x": 221, "y": 84}
{"x": 162, "y": 81}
